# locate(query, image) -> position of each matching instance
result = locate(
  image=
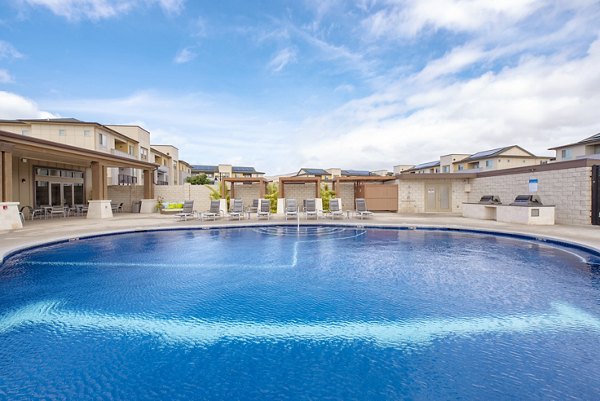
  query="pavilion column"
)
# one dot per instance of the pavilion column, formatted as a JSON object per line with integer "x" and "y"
{"x": 6, "y": 189}
{"x": 281, "y": 189}
{"x": 148, "y": 185}
{"x": 318, "y": 189}
{"x": 97, "y": 182}
{"x": 263, "y": 190}
{"x": 223, "y": 189}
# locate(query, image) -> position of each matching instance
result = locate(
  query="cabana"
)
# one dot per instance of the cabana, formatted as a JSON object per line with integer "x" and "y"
{"x": 299, "y": 188}
{"x": 248, "y": 188}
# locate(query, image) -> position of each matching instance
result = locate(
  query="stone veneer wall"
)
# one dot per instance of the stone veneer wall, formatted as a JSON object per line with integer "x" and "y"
{"x": 570, "y": 190}
{"x": 170, "y": 193}
{"x": 300, "y": 192}
{"x": 247, "y": 193}
{"x": 345, "y": 191}
{"x": 126, "y": 194}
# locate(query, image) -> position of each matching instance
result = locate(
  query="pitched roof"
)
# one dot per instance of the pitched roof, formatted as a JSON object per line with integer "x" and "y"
{"x": 312, "y": 171}
{"x": 199, "y": 167}
{"x": 426, "y": 165}
{"x": 246, "y": 170}
{"x": 589, "y": 140}
{"x": 356, "y": 173}
{"x": 491, "y": 153}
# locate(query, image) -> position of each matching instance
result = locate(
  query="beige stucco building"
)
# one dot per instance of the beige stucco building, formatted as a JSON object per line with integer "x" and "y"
{"x": 587, "y": 148}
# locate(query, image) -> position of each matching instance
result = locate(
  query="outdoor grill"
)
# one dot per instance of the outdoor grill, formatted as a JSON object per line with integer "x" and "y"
{"x": 489, "y": 200}
{"x": 527, "y": 200}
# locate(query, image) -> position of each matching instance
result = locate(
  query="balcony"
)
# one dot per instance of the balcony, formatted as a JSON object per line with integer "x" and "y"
{"x": 125, "y": 179}
{"x": 160, "y": 182}
{"x": 122, "y": 154}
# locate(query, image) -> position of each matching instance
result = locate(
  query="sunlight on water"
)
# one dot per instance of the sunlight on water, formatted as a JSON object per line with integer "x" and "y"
{"x": 385, "y": 334}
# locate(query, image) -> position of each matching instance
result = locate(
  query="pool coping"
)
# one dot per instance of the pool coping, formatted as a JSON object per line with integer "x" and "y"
{"x": 551, "y": 240}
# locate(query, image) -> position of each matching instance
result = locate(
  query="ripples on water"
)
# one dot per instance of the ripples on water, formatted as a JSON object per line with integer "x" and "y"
{"x": 319, "y": 313}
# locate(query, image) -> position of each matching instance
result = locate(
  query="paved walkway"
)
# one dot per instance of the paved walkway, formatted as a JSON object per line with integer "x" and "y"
{"x": 42, "y": 231}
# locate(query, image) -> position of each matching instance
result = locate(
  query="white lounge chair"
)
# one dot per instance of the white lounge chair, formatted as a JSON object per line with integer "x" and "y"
{"x": 188, "y": 210}
{"x": 264, "y": 209}
{"x": 310, "y": 208}
{"x": 214, "y": 212}
{"x": 335, "y": 208}
{"x": 237, "y": 209}
{"x": 361, "y": 209}
{"x": 291, "y": 208}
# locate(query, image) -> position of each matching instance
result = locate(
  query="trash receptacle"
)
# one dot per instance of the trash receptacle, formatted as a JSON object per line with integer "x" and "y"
{"x": 135, "y": 208}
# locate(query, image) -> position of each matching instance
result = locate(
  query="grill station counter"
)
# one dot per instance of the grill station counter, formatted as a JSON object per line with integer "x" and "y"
{"x": 525, "y": 209}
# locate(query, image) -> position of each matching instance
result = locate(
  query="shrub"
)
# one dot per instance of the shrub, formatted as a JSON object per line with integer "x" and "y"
{"x": 326, "y": 196}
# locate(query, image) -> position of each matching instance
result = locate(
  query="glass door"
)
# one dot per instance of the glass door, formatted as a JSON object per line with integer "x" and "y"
{"x": 67, "y": 194}
{"x": 55, "y": 194}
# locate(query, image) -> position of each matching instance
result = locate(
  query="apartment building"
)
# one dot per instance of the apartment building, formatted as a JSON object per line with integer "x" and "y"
{"x": 588, "y": 148}
{"x": 432, "y": 167}
{"x": 221, "y": 171}
{"x": 493, "y": 159}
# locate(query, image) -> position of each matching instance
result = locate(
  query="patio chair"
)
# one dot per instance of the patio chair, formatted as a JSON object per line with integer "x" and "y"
{"x": 264, "y": 209}
{"x": 214, "y": 212}
{"x": 114, "y": 207}
{"x": 291, "y": 208}
{"x": 254, "y": 207}
{"x": 188, "y": 210}
{"x": 57, "y": 211}
{"x": 237, "y": 209}
{"x": 361, "y": 208}
{"x": 310, "y": 208}
{"x": 335, "y": 208}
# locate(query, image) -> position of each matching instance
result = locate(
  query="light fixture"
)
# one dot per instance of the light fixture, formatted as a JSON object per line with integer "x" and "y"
{"x": 23, "y": 180}
{"x": 24, "y": 160}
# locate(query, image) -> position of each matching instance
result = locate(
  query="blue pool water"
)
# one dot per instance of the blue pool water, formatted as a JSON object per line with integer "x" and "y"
{"x": 323, "y": 313}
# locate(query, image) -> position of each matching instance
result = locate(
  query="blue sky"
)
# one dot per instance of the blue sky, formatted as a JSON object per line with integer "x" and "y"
{"x": 280, "y": 85}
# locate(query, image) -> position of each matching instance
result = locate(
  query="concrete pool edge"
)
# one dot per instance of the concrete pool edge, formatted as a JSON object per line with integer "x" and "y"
{"x": 564, "y": 241}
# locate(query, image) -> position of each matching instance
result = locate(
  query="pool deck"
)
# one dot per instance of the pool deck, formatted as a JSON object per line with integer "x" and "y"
{"x": 38, "y": 232}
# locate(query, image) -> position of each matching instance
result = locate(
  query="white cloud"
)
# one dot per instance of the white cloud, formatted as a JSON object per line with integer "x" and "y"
{"x": 7, "y": 51}
{"x": 75, "y": 10}
{"x": 539, "y": 103}
{"x": 184, "y": 56}
{"x": 408, "y": 18}
{"x": 5, "y": 77}
{"x": 282, "y": 59}
{"x": 13, "y": 106}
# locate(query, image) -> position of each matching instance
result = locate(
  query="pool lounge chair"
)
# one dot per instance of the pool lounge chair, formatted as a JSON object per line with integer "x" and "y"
{"x": 310, "y": 208}
{"x": 335, "y": 208}
{"x": 291, "y": 208}
{"x": 188, "y": 210}
{"x": 237, "y": 209}
{"x": 254, "y": 207}
{"x": 264, "y": 209}
{"x": 361, "y": 209}
{"x": 214, "y": 212}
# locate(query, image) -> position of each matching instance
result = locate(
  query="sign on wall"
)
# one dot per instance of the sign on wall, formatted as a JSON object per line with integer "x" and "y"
{"x": 533, "y": 185}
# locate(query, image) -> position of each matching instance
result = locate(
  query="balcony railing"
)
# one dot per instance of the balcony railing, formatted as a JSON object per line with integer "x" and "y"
{"x": 125, "y": 179}
{"x": 159, "y": 182}
{"x": 122, "y": 154}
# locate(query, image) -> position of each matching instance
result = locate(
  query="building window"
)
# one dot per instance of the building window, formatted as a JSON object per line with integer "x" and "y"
{"x": 62, "y": 132}
{"x": 143, "y": 153}
{"x": 597, "y": 150}
{"x": 131, "y": 149}
{"x": 102, "y": 140}
{"x": 446, "y": 169}
{"x": 460, "y": 167}
{"x": 489, "y": 164}
{"x": 565, "y": 154}
{"x": 87, "y": 133}
{"x": 25, "y": 132}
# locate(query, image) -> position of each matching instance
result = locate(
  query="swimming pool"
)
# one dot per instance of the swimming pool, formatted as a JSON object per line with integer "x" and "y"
{"x": 321, "y": 313}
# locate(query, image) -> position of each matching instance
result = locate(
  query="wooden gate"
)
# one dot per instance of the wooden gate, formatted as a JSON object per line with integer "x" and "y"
{"x": 379, "y": 197}
{"x": 596, "y": 195}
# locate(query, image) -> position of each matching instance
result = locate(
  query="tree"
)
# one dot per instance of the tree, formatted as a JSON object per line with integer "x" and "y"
{"x": 200, "y": 179}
